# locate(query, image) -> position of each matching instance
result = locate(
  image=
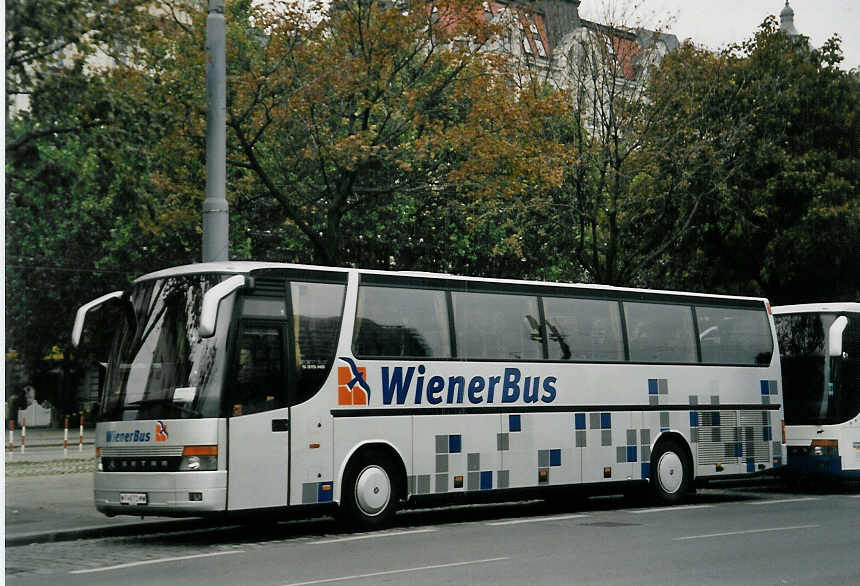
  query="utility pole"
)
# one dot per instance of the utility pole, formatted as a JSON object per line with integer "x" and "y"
{"x": 216, "y": 236}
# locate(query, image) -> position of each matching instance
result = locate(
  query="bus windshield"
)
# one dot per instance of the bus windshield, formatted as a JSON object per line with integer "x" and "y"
{"x": 817, "y": 389}
{"x": 159, "y": 366}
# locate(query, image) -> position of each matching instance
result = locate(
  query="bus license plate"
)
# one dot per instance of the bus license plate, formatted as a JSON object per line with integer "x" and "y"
{"x": 132, "y": 498}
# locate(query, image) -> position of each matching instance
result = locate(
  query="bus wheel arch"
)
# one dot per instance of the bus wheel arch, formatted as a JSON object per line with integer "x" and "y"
{"x": 671, "y": 469}
{"x": 373, "y": 485}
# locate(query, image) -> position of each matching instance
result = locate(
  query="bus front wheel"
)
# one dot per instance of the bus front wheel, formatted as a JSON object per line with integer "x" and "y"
{"x": 671, "y": 473}
{"x": 370, "y": 492}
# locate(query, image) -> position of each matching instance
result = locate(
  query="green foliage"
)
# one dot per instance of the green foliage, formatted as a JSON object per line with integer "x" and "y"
{"x": 763, "y": 137}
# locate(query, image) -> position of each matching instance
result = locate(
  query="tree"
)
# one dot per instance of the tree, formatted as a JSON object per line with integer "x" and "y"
{"x": 774, "y": 124}
{"x": 609, "y": 220}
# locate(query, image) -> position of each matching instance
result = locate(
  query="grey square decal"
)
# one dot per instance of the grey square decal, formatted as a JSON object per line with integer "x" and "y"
{"x": 664, "y": 419}
{"x": 503, "y": 443}
{"x": 473, "y": 462}
{"x": 310, "y": 492}
{"x": 504, "y": 478}
{"x": 543, "y": 458}
{"x": 441, "y": 444}
{"x": 580, "y": 438}
{"x": 645, "y": 436}
{"x": 653, "y": 400}
{"x": 621, "y": 454}
{"x": 441, "y": 462}
{"x": 663, "y": 386}
{"x": 606, "y": 437}
{"x": 631, "y": 437}
{"x": 646, "y": 453}
{"x": 423, "y": 484}
{"x": 694, "y": 400}
{"x": 473, "y": 481}
{"x": 594, "y": 420}
{"x": 715, "y": 399}
{"x": 441, "y": 483}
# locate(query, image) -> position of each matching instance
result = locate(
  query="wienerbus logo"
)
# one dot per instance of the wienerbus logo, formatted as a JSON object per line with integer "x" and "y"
{"x": 160, "y": 431}
{"x": 400, "y": 385}
{"x": 352, "y": 387}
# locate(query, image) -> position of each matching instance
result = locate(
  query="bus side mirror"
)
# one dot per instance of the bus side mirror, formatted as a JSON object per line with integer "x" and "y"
{"x": 211, "y": 300}
{"x": 835, "y": 336}
{"x": 81, "y": 316}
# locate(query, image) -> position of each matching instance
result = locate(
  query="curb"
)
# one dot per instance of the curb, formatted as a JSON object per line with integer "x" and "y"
{"x": 117, "y": 530}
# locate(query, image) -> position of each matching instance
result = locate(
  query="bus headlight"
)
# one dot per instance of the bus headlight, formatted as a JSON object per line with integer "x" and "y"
{"x": 201, "y": 458}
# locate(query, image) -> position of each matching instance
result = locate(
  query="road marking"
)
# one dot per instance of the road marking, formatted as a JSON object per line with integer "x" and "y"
{"x": 392, "y": 572}
{"x": 535, "y": 520}
{"x": 156, "y": 561}
{"x": 776, "y": 502}
{"x": 374, "y": 535}
{"x": 663, "y": 509}
{"x": 747, "y": 532}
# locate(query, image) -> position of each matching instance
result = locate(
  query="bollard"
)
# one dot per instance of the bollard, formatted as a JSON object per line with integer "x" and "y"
{"x": 66, "y": 437}
{"x": 23, "y": 434}
{"x": 11, "y": 436}
{"x": 81, "y": 436}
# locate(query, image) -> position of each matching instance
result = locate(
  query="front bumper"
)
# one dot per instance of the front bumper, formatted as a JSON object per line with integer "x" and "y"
{"x": 167, "y": 494}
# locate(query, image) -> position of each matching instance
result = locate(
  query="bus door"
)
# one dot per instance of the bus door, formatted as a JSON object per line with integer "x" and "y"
{"x": 259, "y": 426}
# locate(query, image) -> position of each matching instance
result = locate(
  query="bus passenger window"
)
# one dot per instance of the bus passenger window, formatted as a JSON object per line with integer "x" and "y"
{"x": 584, "y": 329}
{"x": 734, "y": 336}
{"x": 258, "y": 381}
{"x": 497, "y": 327}
{"x": 401, "y": 322}
{"x": 660, "y": 333}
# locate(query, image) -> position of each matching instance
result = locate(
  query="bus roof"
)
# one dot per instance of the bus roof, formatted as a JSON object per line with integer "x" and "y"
{"x": 246, "y": 267}
{"x": 817, "y": 308}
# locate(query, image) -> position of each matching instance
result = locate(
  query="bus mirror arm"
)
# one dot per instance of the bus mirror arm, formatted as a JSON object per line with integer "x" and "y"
{"x": 211, "y": 300}
{"x": 81, "y": 316}
{"x": 835, "y": 336}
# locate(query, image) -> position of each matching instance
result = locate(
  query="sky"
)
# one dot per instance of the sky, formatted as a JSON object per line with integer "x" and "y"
{"x": 718, "y": 23}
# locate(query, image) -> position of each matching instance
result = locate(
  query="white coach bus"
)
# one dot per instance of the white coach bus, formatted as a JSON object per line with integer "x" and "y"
{"x": 819, "y": 346}
{"x": 243, "y": 386}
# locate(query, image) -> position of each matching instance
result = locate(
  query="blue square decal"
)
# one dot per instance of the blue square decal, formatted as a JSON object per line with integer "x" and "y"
{"x": 606, "y": 421}
{"x": 765, "y": 387}
{"x": 750, "y": 465}
{"x": 514, "y": 423}
{"x": 715, "y": 418}
{"x": 694, "y": 419}
{"x": 579, "y": 420}
{"x": 455, "y": 444}
{"x": 652, "y": 386}
{"x": 631, "y": 453}
{"x": 324, "y": 492}
{"x": 646, "y": 470}
{"x": 486, "y": 480}
{"x": 555, "y": 457}
{"x": 739, "y": 449}
{"x": 767, "y": 434}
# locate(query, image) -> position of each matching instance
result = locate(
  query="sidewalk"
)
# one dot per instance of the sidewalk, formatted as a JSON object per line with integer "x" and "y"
{"x": 49, "y": 495}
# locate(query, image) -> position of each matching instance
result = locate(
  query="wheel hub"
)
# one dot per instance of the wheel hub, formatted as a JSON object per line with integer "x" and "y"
{"x": 372, "y": 490}
{"x": 670, "y": 472}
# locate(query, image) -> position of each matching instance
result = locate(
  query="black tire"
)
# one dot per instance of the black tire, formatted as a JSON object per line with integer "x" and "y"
{"x": 671, "y": 473}
{"x": 371, "y": 490}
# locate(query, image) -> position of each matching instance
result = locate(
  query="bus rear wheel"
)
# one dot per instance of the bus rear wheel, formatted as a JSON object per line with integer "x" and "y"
{"x": 671, "y": 473}
{"x": 370, "y": 490}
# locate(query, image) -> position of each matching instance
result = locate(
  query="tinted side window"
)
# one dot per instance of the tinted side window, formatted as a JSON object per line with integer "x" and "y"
{"x": 734, "y": 336}
{"x": 259, "y": 382}
{"x": 396, "y": 321}
{"x": 317, "y": 311}
{"x": 496, "y": 326}
{"x": 660, "y": 333}
{"x": 583, "y": 329}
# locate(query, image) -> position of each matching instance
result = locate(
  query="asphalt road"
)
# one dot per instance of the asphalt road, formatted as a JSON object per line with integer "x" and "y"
{"x": 740, "y": 535}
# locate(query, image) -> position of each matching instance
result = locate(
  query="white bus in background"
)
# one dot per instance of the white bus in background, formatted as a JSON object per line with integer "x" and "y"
{"x": 242, "y": 386}
{"x": 819, "y": 345}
